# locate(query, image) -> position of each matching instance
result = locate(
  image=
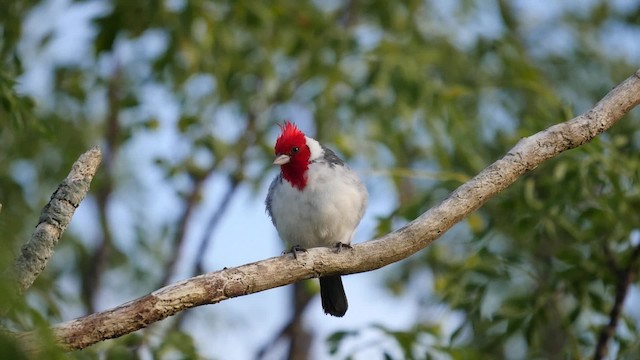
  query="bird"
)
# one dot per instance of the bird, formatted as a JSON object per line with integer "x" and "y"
{"x": 315, "y": 201}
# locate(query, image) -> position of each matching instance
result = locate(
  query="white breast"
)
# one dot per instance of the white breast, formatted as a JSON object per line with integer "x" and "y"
{"x": 326, "y": 212}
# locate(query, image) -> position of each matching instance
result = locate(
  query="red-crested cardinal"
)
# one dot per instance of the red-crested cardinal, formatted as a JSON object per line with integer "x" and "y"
{"x": 316, "y": 200}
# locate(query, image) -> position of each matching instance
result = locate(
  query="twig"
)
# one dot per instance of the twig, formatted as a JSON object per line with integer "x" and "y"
{"x": 299, "y": 336}
{"x": 191, "y": 201}
{"x": 213, "y": 223}
{"x": 610, "y": 259}
{"x": 267, "y": 274}
{"x": 54, "y": 218}
{"x": 235, "y": 179}
{"x": 92, "y": 275}
{"x": 625, "y": 279}
{"x": 349, "y": 14}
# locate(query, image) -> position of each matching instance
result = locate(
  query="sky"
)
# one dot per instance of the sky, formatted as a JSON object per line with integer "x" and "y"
{"x": 239, "y": 327}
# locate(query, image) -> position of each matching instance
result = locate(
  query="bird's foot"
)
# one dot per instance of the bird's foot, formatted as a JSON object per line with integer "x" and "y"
{"x": 341, "y": 245}
{"x": 294, "y": 250}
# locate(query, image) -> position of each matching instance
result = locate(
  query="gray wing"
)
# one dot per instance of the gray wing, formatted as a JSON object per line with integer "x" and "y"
{"x": 331, "y": 157}
{"x": 267, "y": 202}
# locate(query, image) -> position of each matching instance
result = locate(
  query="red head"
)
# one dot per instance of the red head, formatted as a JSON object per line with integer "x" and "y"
{"x": 292, "y": 154}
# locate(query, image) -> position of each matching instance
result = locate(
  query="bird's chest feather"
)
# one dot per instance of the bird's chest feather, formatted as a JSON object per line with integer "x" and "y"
{"x": 324, "y": 213}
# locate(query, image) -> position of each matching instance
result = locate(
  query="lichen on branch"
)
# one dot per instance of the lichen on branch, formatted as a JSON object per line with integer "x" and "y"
{"x": 54, "y": 219}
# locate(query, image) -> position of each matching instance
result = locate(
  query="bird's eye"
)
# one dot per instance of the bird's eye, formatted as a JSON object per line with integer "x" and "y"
{"x": 295, "y": 150}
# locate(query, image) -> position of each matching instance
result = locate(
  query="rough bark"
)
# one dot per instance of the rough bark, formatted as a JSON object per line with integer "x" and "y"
{"x": 54, "y": 219}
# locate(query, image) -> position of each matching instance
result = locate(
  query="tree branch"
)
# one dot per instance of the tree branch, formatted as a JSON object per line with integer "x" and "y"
{"x": 191, "y": 202}
{"x": 214, "y": 220}
{"x": 625, "y": 279}
{"x": 295, "y": 331}
{"x": 92, "y": 271}
{"x": 54, "y": 218}
{"x": 211, "y": 288}
{"x": 235, "y": 179}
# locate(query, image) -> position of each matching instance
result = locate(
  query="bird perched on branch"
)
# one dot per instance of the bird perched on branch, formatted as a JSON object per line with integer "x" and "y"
{"x": 316, "y": 200}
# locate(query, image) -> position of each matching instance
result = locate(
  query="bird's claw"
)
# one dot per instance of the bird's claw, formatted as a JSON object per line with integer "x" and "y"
{"x": 341, "y": 245}
{"x": 294, "y": 250}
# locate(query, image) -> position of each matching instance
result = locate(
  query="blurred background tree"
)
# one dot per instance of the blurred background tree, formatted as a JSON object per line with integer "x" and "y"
{"x": 183, "y": 97}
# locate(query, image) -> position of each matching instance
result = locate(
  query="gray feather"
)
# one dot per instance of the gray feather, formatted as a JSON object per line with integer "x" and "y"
{"x": 331, "y": 157}
{"x": 268, "y": 201}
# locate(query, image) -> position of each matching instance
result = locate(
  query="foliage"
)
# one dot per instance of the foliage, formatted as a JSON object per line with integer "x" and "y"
{"x": 428, "y": 92}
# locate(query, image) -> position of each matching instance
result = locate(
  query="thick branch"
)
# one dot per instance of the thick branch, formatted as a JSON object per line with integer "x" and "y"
{"x": 247, "y": 279}
{"x": 54, "y": 218}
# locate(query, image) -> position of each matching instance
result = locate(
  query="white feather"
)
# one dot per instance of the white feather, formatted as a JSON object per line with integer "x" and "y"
{"x": 315, "y": 148}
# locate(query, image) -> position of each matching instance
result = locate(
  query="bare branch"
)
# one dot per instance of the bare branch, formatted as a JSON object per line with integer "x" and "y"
{"x": 610, "y": 259}
{"x": 191, "y": 201}
{"x": 625, "y": 279}
{"x": 211, "y": 288}
{"x": 54, "y": 218}
{"x": 213, "y": 222}
{"x": 294, "y": 331}
{"x": 235, "y": 180}
{"x": 91, "y": 275}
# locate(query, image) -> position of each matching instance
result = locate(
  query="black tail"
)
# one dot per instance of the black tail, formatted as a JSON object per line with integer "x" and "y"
{"x": 334, "y": 300}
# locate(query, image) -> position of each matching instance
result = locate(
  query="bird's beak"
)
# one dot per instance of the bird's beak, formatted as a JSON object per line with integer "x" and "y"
{"x": 281, "y": 159}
